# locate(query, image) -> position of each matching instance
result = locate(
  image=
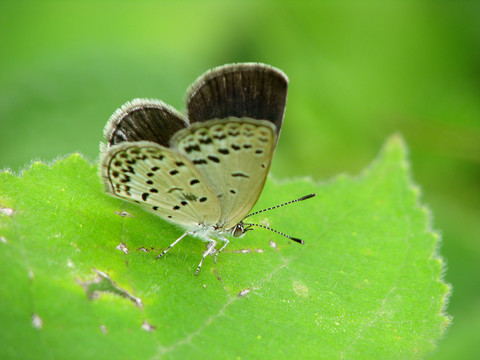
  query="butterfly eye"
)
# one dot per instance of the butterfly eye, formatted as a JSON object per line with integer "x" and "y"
{"x": 239, "y": 230}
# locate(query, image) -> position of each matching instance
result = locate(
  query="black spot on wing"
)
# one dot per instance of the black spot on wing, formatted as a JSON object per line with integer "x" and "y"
{"x": 129, "y": 169}
{"x": 173, "y": 189}
{"x": 219, "y": 136}
{"x": 189, "y": 149}
{"x": 213, "y": 158}
{"x": 205, "y": 141}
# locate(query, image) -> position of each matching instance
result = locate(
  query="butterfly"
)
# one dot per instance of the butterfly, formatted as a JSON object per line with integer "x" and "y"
{"x": 204, "y": 171}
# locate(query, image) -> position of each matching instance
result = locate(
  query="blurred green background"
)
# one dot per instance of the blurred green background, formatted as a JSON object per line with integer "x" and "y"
{"x": 359, "y": 71}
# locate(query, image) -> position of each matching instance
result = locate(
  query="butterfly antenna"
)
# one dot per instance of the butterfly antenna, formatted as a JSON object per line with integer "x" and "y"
{"x": 277, "y": 206}
{"x": 300, "y": 241}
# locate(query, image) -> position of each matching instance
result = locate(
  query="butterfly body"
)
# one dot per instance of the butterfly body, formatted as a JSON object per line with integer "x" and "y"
{"x": 203, "y": 173}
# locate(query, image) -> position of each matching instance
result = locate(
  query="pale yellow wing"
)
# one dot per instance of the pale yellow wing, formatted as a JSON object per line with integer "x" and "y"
{"x": 161, "y": 180}
{"x": 234, "y": 157}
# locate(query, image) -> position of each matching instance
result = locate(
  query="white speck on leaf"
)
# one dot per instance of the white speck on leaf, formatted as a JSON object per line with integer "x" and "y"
{"x": 37, "y": 322}
{"x": 243, "y": 292}
{"x": 147, "y": 326}
{"x": 124, "y": 214}
{"x": 300, "y": 289}
{"x": 7, "y": 211}
{"x": 122, "y": 247}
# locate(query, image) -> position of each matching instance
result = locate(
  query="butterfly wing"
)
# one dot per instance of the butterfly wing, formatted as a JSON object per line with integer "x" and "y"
{"x": 234, "y": 156}
{"x": 161, "y": 180}
{"x": 252, "y": 90}
{"x": 143, "y": 119}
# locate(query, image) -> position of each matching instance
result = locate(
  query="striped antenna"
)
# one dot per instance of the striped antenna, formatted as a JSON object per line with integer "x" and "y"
{"x": 300, "y": 241}
{"x": 249, "y": 225}
{"x": 277, "y": 206}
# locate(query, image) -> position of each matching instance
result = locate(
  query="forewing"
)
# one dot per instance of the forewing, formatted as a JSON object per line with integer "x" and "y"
{"x": 162, "y": 181}
{"x": 234, "y": 156}
{"x": 250, "y": 90}
{"x": 143, "y": 119}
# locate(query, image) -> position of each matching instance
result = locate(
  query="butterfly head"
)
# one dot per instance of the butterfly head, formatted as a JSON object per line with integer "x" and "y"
{"x": 240, "y": 229}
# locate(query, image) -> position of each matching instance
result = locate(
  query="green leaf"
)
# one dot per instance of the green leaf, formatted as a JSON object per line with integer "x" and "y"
{"x": 366, "y": 285}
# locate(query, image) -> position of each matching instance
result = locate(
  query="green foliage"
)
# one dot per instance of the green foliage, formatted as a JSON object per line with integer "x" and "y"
{"x": 359, "y": 71}
{"x": 366, "y": 285}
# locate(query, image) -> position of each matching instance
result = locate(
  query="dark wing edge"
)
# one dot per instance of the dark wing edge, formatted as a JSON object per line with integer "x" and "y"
{"x": 252, "y": 90}
{"x": 143, "y": 120}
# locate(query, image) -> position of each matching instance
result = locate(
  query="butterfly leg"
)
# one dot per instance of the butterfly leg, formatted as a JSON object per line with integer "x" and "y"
{"x": 210, "y": 249}
{"x": 173, "y": 244}
{"x": 226, "y": 242}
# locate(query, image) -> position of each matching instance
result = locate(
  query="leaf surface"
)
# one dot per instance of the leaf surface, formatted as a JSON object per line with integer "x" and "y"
{"x": 366, "y": 285}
